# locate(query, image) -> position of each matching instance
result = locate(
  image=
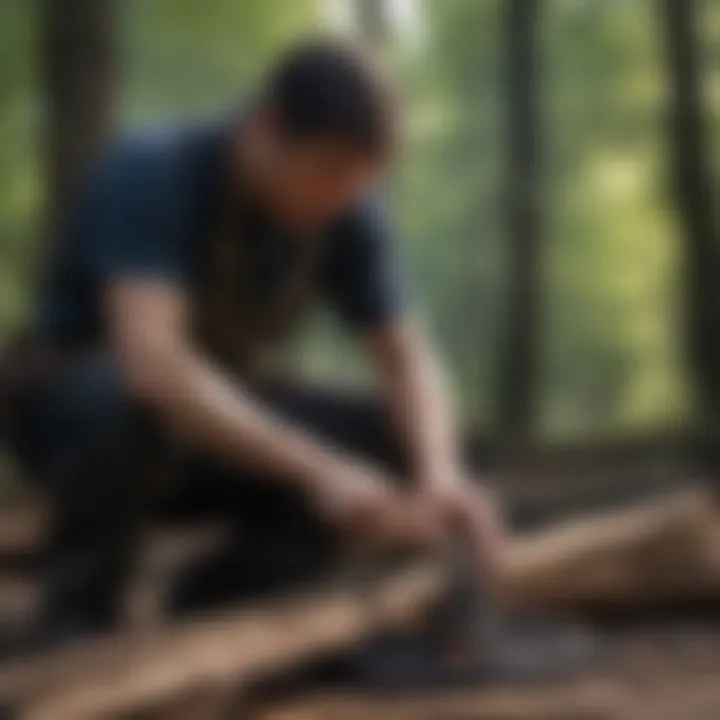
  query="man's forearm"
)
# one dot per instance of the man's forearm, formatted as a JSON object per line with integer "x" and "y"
{"x": 420, "y": 404}
{"x": 212, "y": 412}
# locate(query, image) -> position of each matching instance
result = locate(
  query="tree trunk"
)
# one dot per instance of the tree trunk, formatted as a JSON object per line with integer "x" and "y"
{"x": 517, "y": 384}
{"x": 79, "y": 72}
{"x": 372, "y": 23}
{"x": 691, "y": 175}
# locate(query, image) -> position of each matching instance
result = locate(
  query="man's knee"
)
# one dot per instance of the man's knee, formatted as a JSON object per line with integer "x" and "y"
{"x": 85, "y": 414}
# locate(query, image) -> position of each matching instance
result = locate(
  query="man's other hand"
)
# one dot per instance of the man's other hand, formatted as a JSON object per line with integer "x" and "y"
{"x": 365, "y": 504}
{"x": 465, "y": 508}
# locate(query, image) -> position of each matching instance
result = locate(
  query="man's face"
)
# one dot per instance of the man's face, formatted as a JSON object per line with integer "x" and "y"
{"x": 309, "y": 182}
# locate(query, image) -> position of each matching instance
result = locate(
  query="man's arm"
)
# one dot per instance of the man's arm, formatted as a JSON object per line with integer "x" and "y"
{"x": 419, "y": 401}
{"x": 136, "y": 251}
{"x": 364, "y": 284}
{"x": 147, "y": 327}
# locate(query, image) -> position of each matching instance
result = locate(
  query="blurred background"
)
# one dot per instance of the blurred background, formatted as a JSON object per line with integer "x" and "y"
{"x": 556, "y": 199}
{"x": 556, "y": 204}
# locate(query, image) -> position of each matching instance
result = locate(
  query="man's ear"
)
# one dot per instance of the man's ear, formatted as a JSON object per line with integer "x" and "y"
{"x": 264, "y": 135}
{"x": 267, "y": 125}
{"x": 268, "y": 119}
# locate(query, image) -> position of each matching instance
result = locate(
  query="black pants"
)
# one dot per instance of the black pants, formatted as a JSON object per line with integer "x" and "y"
{"x": 109, "y": 470}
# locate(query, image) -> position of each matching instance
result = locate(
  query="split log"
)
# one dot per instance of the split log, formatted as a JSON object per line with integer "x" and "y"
{"x": 165, "y": 553}
{"x": 22, "y": 535}
{"x": 19, "y": 601}
{"x": 121, "y": 675}
{"x": 664, "y": 550}
{"x": 690, "y": 699}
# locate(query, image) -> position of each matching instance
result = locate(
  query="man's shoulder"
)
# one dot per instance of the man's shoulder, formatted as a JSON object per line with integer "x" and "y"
{"x": 157, "y": 153}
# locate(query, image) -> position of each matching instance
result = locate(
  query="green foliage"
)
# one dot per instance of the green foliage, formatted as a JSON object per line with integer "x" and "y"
{"x": 612, "y": 342}
{"x": 184, "y": 55}
{"x": 19, "y": 156}
{"x": 611, "y": 336}
{"x": 448, "y": 191}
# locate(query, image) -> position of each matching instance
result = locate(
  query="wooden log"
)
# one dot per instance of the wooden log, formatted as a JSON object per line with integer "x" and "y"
{"x": 127, "y": 673}
{"x": 19, "y": 600}
{"x": 665, "y": 549}
{"x": 694, "y": 699}
{"x": 22, "y": 535}
{"x": 164, "y": 554}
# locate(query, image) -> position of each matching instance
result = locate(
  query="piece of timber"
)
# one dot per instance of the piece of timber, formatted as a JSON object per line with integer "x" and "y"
{"x": 19, "y": 600}
{"x": 110, "y": 677}
{"x": 664, "y": 549}
{"x": 165, "y": 552}
{"x": 22, "y": 535}
{"x": 587, "y": 700}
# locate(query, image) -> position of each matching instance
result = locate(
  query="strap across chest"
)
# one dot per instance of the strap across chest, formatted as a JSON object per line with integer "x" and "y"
{"x": 239, "y": 326}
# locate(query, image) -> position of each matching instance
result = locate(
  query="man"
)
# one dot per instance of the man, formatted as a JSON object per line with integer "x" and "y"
{"x": 192, "y": 252}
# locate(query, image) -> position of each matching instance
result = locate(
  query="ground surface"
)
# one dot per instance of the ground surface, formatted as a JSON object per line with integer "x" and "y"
{"x": 669, "y": 672}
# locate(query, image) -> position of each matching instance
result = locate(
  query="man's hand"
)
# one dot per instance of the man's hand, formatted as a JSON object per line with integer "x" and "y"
{"x": 467, "y": 509}
{"x": 419, "y": 401}
{"x": 365, "y": 504}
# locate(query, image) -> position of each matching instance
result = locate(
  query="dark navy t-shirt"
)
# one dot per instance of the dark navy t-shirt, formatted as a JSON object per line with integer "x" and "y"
{"x": 147, "y": 210}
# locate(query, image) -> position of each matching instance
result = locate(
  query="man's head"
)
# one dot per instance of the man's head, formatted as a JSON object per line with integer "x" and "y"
{"x": 323, "y": 129}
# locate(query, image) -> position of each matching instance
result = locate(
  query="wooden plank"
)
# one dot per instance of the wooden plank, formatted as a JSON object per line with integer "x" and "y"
{"x": 127, "y": 673}
{"x": 22, "y": 535}
{"x": 19, "y": 600}
{"x": 668, "y": 548}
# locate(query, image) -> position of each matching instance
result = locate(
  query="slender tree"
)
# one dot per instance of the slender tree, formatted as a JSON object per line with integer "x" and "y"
{"x": 693, "y": 186}
{"x": 517, "y": 381}
{"x": 372, "y": 21}
{"x": 79, "y": 67}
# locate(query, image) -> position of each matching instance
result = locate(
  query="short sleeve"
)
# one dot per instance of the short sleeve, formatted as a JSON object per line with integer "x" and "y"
{"x": 133, "y": 216}
{"x": 363, "y": 279}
